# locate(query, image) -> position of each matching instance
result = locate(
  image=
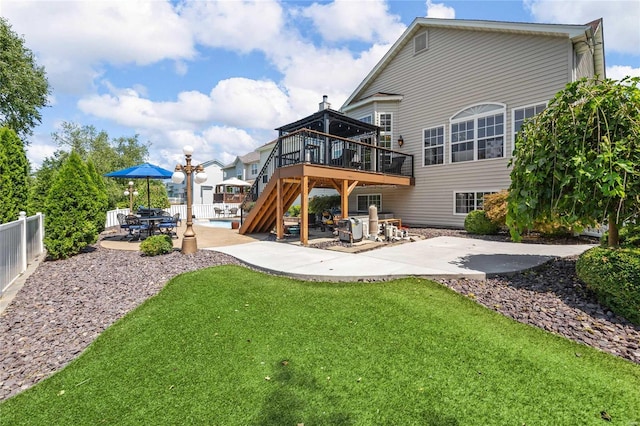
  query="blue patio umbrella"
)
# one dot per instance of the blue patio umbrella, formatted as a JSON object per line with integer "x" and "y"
{"x": 143, "y": 171}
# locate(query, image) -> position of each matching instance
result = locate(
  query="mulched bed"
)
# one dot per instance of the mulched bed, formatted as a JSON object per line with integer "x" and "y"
{"x": 65, "y": 305}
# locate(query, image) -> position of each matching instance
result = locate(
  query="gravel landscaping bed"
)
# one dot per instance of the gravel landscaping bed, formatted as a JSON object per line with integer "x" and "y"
{"x": 65, "y": 305}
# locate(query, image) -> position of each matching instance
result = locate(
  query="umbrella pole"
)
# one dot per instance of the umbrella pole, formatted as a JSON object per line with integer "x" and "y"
{"x": 148, "y": 194}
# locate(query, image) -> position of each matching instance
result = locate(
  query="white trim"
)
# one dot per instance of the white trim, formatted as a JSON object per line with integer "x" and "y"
{"x": 470, "y": 107}
{"x": 384, "y": 132}
{"x": 474, "y": 117}
{"x": 475, "y": 201}
{"x": 444, "y": 144}
{"x": 513, "y": 118}
{"x": 378, "y": 194}
{"x": 372, "y": 100}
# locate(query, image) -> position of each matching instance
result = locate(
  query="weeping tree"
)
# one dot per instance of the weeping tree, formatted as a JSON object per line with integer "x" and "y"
{"x": 578, "y": 162}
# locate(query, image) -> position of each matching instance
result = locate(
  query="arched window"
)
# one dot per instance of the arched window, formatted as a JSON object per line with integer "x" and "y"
{"x": 477, "y": 133}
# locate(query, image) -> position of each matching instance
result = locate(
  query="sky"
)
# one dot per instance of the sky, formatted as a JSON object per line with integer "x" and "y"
{"x": 222, "y": 75}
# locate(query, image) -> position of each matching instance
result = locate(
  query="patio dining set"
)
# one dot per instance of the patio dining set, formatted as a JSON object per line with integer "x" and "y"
{"x": 149, "y": 222}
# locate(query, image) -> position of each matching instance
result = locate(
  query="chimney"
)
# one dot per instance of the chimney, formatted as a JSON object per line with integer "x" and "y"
{"x": 324, "y": 104}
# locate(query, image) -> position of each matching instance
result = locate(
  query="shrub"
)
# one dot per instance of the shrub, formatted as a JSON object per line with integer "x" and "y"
{"x": 70, "y": 208}
{"x": 477, "y": 222}
{"x": 495, "y": 206}
{"x": 294, "y": 211}
{"x": 551, "y": 228}
{"x": 629, "y": 236}
{"x": 614, "y": 276}
{"x": 321, "y": 203}
{"x": 248, "y": 206}
{"x": 157, "y": 244}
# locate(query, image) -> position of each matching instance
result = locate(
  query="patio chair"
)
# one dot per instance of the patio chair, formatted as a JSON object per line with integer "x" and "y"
{"x": 233, "y": 211}
{"x": 396, "y": 166}
{"x": 122, "y": 221}
{"x": 169, "y": 225}
{"x": 217, "y": 211}
{"x": 136, "y": 227}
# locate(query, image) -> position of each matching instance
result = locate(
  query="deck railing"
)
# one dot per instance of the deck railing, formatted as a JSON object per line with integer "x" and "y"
{"x": 312, "y": 147}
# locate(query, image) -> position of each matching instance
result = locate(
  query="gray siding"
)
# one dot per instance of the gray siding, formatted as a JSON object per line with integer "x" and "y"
{"x": 461, "y": 68}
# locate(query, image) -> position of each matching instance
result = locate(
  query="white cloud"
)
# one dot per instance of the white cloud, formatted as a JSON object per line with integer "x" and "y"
{"x": 617, "y": 72}
{"x": 439, "y": 10}
{"x": 355, "y": 20}
{"x": 621, "y": 19}
{"x": 234, "y": 25}
{"x": 73, "y": 39}
{"x": 249, "y": 103}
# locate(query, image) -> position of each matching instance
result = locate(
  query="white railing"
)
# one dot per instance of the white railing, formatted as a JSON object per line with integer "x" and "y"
{"x": 200, "y": 211}
{"x": 21, "y": 241}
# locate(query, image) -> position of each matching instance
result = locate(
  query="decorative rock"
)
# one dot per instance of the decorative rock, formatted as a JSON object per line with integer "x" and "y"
{"x": 65, "y": 305}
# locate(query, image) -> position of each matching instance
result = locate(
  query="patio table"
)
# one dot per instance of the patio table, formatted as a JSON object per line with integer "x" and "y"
{"x": 153, "y": 222}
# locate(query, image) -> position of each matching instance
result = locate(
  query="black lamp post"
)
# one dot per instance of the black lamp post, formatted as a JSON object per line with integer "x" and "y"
{"x": 189, "y": 242}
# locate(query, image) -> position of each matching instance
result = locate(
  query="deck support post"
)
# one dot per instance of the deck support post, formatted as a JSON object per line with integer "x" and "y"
{"x": 304, "y": 211}
{"x": 279, "y": 211}
{"x": 344, "y": 198}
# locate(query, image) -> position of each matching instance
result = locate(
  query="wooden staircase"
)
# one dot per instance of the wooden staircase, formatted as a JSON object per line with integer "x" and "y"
{"x": 262, "y": 217}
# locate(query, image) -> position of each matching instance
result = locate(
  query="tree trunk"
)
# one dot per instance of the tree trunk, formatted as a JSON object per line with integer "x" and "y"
{"x": 614, "y": 239}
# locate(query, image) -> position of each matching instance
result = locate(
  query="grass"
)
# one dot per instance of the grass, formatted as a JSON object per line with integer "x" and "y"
{"x": 229, "y": 346}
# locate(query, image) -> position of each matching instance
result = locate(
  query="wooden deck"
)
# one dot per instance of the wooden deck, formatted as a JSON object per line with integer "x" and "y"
{"x": 289, "y": 182}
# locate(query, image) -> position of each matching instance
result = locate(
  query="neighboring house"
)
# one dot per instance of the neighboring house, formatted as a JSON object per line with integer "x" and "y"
{"x": 244, "y": 167}
{"x": 202, "y": 193}
{"x": 453, "y": 93}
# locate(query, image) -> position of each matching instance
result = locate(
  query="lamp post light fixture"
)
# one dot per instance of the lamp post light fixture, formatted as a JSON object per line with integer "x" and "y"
{"x": 130, "y": 192}
{"x": 189, "y": 242}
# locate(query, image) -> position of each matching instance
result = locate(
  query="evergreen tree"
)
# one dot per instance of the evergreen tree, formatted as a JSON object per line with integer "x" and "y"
{"x": 6, "y": 190}
{"x": 16, "y": 185}
{"x": 70, "y": 208}
{"x": 42, "y": 181}
{"x": 102, "y": 199}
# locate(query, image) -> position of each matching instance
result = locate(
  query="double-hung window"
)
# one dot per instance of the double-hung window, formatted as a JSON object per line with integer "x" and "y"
{"x": 477, "y": 133}
{"x": 523, "y": 113}
{"x": 386, "y": 131}
{"x": 366, "y": 200}
{"x": 466, "y": 202}
{"x": 433, "y": 141}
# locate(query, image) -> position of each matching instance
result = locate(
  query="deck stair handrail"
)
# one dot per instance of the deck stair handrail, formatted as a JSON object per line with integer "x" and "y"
{"x": 313, "y": 147}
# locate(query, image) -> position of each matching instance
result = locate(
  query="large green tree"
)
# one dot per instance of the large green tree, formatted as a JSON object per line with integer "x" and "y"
{"x": 93, "y": 146}
{"x": 23, "y": 84}
{"x": 14, "y": 169}
{"x": 578, "y": 162}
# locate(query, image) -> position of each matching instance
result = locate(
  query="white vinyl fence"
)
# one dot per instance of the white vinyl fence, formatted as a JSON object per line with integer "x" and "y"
{"x": 21, "y": 241}
{"x": 200, "y": 211}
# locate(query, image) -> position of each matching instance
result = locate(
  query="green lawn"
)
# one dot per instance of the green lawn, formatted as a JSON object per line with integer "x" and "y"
{"x": 229, "y": 346}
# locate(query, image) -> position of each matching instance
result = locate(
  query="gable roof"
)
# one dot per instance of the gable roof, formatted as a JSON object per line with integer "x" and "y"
{"x": 590, "y": 33}
{"x": 212, "y": 163}
{"x": 339, "y": 124}
{"x": 252, "y": 157}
